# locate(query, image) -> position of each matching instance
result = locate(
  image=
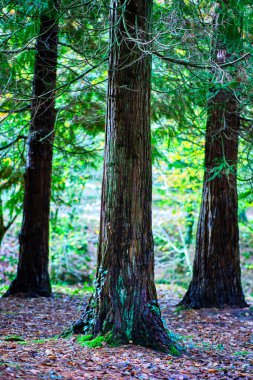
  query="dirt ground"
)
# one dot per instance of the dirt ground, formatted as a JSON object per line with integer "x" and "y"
{"x": 218, "y": 343}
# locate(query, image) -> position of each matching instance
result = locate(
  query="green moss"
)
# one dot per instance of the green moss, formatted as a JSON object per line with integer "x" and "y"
{"x": 128, "y": 313}
{"x": 10, "y": 364}
{"x": 114, "y": 343}
{"x": 112, "y": 340}
{"x": 84, "y": 338}
{"x": 176, "y": 347}
{"x": 13, "y": 338}
{"x": 99, "y": 341}
{"x": 175, "y": 351}
{"x": 39, "y": 341}
{"x": 153, "y": 306}
{"x": 179, "y": 309}
{"x": 130, "y": 322}
{"x": 241, "y": 353}
{"x": 91, "y": 343}
{"x": 219, "y": 347}
{"x": 21, "y": 340}
{"x": 66, "y": 333}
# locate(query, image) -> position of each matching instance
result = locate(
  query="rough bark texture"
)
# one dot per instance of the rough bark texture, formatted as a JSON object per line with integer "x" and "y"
{"x": 216, "y": 278}
{"x": 125, "y": 302}
{"x": 32, "y": 275}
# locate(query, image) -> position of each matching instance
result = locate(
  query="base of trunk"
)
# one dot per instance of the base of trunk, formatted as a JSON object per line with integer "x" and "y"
{"x": 149, "y": 332}
{"x": 196, "y": 298}
{"x": 19, "y": 289}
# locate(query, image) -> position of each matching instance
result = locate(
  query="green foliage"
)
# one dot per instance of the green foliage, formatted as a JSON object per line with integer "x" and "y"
{"x": 182, "y": 30}
{"x": 72, "y": 291}
{"x": 3, "y": 289}
{"x": 222, "y": 167}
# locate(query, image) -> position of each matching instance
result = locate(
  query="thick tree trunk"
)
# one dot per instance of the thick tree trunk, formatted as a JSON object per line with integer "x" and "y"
{"x": 125, "y": 302}
{"x": 216, "y": 278}
{"x": 32, "y": 275}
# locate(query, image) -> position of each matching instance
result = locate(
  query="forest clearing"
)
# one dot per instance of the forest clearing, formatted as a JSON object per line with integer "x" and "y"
{"x": 126, "y": 189}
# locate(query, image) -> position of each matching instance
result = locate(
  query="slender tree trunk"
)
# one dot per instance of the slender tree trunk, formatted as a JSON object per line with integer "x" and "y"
{"x": 216, "y": 280}
{"x": 32, "y": 275}
{"x": 189, "y": 225}
{"x": 125, "y": 302}
{"x": 2, "y": 227}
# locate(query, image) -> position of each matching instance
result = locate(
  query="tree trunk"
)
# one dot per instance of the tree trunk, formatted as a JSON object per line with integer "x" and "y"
{"x": 216, "y": 278}
{"x": 125, "y": 302}
{"x": 189, "y": 225}
{"x": 2, "y": 227}
{"x": 32, "y": 275}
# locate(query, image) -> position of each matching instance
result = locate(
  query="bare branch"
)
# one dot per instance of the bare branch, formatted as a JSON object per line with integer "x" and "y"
{"x": 199, "y": 66}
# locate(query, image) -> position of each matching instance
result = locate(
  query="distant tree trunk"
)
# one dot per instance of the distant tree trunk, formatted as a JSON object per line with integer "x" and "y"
{"x": 216, "y": 280}
{"x": 242, "y": 216}
{"x": 189, "y": 225}
{"x": 2, "y": 226}
{"x": 32, "y": 275}
{"x": 125, "y": 302}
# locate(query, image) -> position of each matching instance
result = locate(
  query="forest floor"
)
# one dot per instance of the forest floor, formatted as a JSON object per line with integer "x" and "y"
{"x": 218, "y": 343}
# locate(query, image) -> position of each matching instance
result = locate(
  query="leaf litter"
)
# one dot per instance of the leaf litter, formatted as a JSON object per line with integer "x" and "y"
{"x": 218, "y": 343}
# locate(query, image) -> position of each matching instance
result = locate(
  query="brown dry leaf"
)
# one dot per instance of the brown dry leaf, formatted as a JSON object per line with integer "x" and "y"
{"x": 212, "y": 370}
{"x": 248, "y": 375}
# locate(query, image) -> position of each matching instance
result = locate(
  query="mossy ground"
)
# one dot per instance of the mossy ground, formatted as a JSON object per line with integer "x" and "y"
{"x": 13, "y": 338}
{"x": 21, "y": 340}
{"x": 98, "y": 341}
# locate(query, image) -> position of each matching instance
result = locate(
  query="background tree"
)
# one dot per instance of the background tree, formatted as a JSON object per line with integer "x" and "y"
{"x": 82, "y": 46}
{"x": 32, "y": 274}
{"x": 216, "y": 280}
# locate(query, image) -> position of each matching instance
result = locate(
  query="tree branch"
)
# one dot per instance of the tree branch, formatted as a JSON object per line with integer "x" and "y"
{"x": 199, "y": 66}
{"x": 20, "y": 137}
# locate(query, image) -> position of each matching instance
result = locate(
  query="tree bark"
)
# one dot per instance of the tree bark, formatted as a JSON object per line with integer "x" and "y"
{"x": 32, "y": 275}
{"x": 189, "y": 225}
{"x": 125, "y": 302}
{"x": 216, "y": 280}
{"x": 2, "y": 226}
